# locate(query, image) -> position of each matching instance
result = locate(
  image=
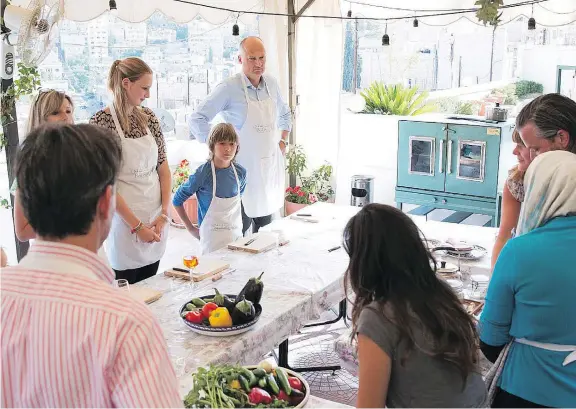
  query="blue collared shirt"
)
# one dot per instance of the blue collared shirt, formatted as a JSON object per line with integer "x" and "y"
{"x": 228, "y": 100}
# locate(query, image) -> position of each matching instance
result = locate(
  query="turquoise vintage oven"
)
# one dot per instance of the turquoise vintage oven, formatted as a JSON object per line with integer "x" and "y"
{"x": 454, "y": 162}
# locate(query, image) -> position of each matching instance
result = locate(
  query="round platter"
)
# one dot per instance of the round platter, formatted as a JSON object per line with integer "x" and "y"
{"x": 225, "y": 331}
{"x": 476, "y": 253}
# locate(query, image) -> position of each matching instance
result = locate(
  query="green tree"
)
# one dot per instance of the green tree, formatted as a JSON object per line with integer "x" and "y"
{"x": 348, "y": 71}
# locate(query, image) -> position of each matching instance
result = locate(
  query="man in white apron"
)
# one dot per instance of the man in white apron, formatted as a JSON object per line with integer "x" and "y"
{"x": 254, "y": 105}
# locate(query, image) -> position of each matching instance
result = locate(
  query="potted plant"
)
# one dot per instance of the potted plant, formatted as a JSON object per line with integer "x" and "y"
{"x": 297, "y": 198}
{"x": 313, "y": 188}
{"x": 180, "y": 176}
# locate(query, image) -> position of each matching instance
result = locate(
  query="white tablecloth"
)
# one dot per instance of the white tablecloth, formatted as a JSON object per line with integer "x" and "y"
{"x": 301, "y": 280}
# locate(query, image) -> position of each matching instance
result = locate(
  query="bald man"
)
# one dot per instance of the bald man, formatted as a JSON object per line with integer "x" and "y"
{"x": 252, "y": 102}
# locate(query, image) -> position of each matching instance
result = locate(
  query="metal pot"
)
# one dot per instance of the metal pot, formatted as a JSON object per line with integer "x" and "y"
{"x": 496, "y": 113}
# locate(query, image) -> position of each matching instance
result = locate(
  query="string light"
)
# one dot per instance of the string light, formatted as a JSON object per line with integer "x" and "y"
{"x": 113, "y": 8}
{"x": 532, "y": 21}
{"x": 386, "y": 37}
{"x": 236, "y": 28}
{"x": 426, "y": 13}
{"x": 415, "y": 23}
{"x": 349, "y": 13}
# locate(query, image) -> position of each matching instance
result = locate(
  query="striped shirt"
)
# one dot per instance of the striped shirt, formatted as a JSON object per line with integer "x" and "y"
{"x": 69, "y": 339}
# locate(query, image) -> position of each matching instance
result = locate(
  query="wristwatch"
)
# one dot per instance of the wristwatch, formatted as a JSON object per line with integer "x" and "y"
{"x": 285, "y": 142}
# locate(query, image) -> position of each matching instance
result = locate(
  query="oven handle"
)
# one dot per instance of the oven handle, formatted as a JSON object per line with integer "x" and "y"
{"x": 441, "y": 164}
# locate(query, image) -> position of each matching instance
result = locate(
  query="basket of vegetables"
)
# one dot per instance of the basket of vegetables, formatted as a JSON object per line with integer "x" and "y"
{"x": 262, "y": 386}
{"x": 225, "y": 314}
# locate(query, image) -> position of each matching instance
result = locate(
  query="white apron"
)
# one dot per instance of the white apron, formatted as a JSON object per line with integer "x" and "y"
{"x": 222, "y": 223}
{"x": 261, "y": 156}
{"x": 552, "y": 347}
{"x": 139, "y": 185}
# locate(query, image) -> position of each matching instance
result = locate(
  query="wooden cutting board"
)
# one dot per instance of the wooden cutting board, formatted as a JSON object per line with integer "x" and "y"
{"x": 207, "y": 267}
{"x": 261, "y": 243}
{"x": 146, "y": 295}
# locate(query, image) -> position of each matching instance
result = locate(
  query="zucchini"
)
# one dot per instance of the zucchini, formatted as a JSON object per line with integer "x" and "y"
{"x": 198, "y": 302}
{"x": 283, "y": 381}
{"x": 262, "y": 382}
{"x": 244, "y": 383}
{"x": 273, "y": 385}
{"x": 249, "y": 375}
{"x": 190, "y": 306}
{"x": 259, "y": 372}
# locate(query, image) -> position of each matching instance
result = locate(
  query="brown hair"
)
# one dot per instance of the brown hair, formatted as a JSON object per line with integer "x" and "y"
{"x": 390, "y": 266}
{"x": 62, "y": 200}
{"x": 46, "y": 102}
{"x": 516, "y": 174}
{"x": 132, "y": 68}
{"x": 551, "y": 113}
{"x": 222, "y": 132}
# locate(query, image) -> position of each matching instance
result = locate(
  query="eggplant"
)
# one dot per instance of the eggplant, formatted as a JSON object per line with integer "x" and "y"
{"x": 222, "y": 300}
{"x": 244, "y": 312}
{"x": 252, "y": 291}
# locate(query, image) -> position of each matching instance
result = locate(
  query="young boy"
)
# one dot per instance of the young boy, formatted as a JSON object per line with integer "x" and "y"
{"x": 218, "y": 185}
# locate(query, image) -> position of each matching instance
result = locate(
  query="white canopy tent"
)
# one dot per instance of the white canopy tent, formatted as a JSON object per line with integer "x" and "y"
{"x": 305, "y": 54}
{"x": 316, "y": 52}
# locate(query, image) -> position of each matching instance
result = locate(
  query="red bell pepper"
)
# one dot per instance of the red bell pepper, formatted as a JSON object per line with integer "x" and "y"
{"x": 295, "y": 383}
{"x": 282, "y": 396}
{"x": 257, "y": 396}
{"x": 194, "y": 317}
{"x": 208, "y": 308}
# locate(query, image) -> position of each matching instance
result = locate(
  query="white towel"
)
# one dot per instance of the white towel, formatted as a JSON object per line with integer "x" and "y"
{"x": 550, "y": 184}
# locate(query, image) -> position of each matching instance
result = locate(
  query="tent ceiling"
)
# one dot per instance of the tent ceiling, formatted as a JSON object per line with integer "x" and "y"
{"x": 139, "y": 10}
{"x": 550, "y": 12}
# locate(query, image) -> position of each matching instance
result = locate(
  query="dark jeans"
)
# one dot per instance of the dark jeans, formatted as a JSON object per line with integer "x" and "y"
{"x": 503, "y": 399}
{"x": 137, "y": 274}
{"x": 256, "y": 222}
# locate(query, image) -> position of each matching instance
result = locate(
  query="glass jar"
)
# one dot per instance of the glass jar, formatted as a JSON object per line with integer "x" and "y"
{"x": 479, "y": 284}
{"x": 457, "y": 286}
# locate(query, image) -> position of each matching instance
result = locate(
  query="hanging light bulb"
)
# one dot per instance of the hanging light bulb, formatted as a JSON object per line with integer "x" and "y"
{"x": 532, "y": 21}
{"x": 415, "y": 23}
{"x": 235, "y": 30}
{"x": 350, "y": 13}
{"x": 113, "y": 8}
{"x": 386, "y": 37}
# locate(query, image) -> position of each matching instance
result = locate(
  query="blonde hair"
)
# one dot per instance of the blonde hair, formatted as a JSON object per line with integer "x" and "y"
{"x": 132, "y": 68}
{"x": 45, "y": 103}
{"x": 222, "y": 132}
{"x": 516, "y": 174}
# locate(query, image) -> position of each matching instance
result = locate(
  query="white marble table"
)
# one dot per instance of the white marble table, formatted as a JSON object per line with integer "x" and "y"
{"x": 301, "y": 280}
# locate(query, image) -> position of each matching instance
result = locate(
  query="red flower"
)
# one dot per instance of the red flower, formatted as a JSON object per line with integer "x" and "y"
{"x": 301, "y": 193}
{"x": 181, "y": 174}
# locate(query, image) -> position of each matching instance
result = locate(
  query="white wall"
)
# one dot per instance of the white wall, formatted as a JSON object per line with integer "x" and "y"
{"x": 538, "y": 63}
{"x": 368, "y": 146}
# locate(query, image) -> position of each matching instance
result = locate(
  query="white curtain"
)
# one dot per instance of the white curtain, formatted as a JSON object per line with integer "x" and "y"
{"x": 318, "y": 81}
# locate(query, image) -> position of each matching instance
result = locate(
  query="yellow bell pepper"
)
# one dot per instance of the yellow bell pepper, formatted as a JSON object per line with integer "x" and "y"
{"x": 220, "y": 317}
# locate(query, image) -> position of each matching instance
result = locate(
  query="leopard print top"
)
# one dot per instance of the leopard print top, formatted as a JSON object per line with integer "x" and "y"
{"x": 105, "y": 120}
{"x": 515, "y": 185}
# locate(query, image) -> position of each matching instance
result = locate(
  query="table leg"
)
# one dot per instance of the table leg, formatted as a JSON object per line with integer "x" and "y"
{"x": 341, "y": 315}
{"x": 283, "y": 348}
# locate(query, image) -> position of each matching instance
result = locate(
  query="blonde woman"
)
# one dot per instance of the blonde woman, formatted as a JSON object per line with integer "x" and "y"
{"x": 138, "y": 236}
{"x": 512, "y": 197}
{"x": 49, "y": 106}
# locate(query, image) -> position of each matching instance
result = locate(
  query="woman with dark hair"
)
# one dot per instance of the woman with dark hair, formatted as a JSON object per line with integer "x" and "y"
{"x": 417, "y": 347}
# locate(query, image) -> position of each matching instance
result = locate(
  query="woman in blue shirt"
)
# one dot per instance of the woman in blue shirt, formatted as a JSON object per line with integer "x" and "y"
{"x": 530, "y": 301}
{"x": 218, "y": 185}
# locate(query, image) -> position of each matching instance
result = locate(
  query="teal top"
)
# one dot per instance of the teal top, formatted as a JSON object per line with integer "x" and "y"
{"x": 532, "y": 295}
